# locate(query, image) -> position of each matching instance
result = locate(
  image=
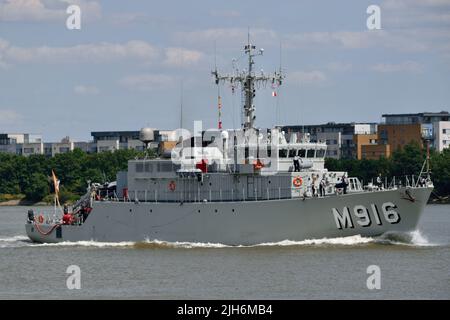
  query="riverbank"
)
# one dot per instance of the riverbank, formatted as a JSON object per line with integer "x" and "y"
{"x": 22, "y": 202}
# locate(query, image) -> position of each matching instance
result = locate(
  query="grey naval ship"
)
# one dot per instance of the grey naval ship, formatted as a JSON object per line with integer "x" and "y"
{"x": 237, "y": 187}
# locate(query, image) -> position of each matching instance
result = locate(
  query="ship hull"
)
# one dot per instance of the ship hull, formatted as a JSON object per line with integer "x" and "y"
{"x": 249, "y": 222}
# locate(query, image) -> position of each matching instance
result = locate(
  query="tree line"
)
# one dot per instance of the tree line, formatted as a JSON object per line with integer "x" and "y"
{"x": 29, "y": 177}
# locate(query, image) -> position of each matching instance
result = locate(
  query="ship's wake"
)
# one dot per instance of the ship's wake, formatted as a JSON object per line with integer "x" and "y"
{"x": 414, "y": 239}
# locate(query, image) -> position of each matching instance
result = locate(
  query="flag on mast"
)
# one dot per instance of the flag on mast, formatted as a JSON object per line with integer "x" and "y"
{"x": 55, "y": 182}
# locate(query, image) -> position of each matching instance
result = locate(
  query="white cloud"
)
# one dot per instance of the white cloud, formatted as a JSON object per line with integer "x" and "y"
{"x": 46, "y": 10}
{"x": 313, "y": 77}
{"x": 179, "y": 57}
{"x": 414, "y": 13}
{"x": 121, "y": 18}
{"x": 400, "y": 41}
{"x": 225, "y": 13}
{"x": 403, "y": 4}
{"x": 10, "y": 117}
{"x": 92, "y": 53}
{"x": 86, "y": 90}
{"x": 103, "y": 52}
{"x": 340, "y": 66}
{"x": 147, "y": 82}
{"x": 226, "y": 36}
{"x": 407, "y": 66}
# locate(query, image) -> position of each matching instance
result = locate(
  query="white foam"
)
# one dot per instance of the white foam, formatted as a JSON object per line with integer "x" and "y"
{"x": 85, "y": 244}
{"x": 14, "y": 241}
{"x": 13, "y": 238}
{"x": 187, "y": 245}
{"x": 414, "y": 238}
{"x": 347, "y": 241}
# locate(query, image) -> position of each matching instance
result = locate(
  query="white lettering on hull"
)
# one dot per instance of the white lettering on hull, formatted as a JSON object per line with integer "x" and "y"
{"x": 362, "y": 216}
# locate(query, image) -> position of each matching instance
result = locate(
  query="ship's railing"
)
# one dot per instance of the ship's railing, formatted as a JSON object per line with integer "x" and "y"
{"x": 244, "y": 194}
{"x": 266, "y": 193}
{"x": 395, "y": 182}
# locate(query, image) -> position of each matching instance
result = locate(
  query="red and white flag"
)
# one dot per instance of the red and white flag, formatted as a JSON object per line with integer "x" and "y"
{"x": 274, "y": 93}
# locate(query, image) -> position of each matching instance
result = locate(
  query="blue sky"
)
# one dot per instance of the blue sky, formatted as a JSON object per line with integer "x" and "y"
{"x": 124, "y": 69}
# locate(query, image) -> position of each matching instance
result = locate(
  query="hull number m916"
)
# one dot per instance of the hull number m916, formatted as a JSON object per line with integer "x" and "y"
{"x": 361, "y": 214}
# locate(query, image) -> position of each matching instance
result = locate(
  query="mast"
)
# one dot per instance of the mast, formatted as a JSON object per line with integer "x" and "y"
{"x": 248, "y": 81}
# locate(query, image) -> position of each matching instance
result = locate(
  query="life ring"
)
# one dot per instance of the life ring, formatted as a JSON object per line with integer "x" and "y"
{"x": 297, "y": 182}
{"x": 172, "y": 186}
{"x": 41, "y": 218}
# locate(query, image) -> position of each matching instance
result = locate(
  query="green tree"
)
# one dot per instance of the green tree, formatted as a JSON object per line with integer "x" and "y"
{"x": 440, "y": 172}
{"x": 36, "y": 187}
{"x": 408, "y": 161}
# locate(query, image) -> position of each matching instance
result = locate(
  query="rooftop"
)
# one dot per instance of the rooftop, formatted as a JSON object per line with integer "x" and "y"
{"x": 420, "y": 114}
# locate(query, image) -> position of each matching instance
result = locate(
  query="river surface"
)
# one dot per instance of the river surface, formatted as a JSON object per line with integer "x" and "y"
{"x": 412, "y": 266}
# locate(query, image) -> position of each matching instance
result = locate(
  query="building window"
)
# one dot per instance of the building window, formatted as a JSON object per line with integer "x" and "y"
{"x": 139, "y": 167}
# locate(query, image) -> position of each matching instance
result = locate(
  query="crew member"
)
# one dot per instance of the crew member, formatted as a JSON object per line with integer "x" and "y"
{"x": 297, "y": 163}
{"x": 322, "y": 186}
{"x": 345, "y": 183}
{"x": 379, "y": 182}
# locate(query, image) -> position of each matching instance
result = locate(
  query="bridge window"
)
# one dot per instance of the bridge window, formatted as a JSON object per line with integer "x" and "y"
{"x": 310, "y": 153}
{"x": 292, "y": 153}
{"x": 301, "y": 153}
{"x": 320, "y": 153}
{"x": 282, "y": 153}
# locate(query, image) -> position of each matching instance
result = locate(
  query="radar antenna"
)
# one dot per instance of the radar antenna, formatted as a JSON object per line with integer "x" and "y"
{"x": 248, "y": 80}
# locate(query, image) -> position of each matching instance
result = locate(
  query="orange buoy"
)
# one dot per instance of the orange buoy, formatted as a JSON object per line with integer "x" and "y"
{"x": 297, "y": 182}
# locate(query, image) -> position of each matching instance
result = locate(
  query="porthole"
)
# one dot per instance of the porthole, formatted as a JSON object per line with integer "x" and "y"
{"x": 215, "y": 210}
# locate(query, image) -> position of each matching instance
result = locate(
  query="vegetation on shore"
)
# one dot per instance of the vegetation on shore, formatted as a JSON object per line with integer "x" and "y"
{"x": 28, "y": 178}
